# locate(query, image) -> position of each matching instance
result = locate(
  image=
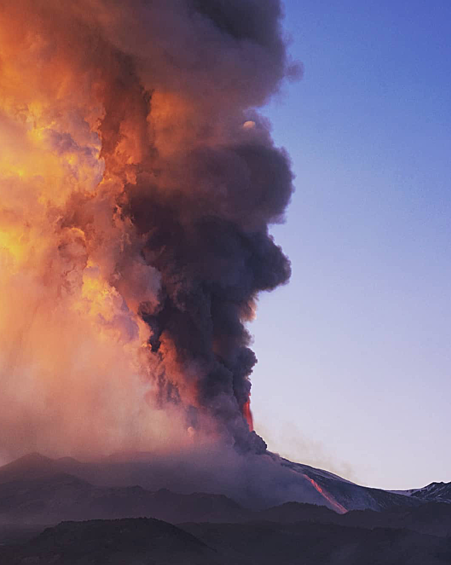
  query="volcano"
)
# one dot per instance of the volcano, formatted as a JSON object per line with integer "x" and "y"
{"x": 115, "y": 511}
{"x": 37, "y": 489}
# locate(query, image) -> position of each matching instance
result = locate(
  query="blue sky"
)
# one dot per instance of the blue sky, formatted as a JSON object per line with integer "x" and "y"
{"x": 354, "y": 354}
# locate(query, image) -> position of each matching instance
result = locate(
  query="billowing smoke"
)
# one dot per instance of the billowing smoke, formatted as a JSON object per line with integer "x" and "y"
{"x": 137, "y": 184}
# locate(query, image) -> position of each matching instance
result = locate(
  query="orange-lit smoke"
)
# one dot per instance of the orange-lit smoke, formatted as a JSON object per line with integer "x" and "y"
{"x": 97, "y": 110}
{"x": 73, "y": 351}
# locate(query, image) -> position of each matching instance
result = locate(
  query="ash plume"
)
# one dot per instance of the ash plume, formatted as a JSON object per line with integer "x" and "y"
{"x": 138, "y": 182}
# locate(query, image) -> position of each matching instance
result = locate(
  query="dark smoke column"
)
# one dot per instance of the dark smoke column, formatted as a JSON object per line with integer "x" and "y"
{"x": 205, "y": 193}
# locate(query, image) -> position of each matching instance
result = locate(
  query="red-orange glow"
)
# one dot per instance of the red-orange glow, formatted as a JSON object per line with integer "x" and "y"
{"x": 75, "y": 369}
{"x": 247, "y": 413}
{"x": 338, "y": 507}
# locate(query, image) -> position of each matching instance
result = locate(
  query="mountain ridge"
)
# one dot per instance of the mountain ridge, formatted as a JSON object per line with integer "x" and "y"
{"x": 115, "y": 486}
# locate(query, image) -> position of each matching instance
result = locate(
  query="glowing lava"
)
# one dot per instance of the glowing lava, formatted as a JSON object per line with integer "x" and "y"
{"x": 336, "y": 505}
{"x": 247, "y": 413}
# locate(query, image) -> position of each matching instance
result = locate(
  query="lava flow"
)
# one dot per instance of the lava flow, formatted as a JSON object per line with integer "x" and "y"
{"x": 336, "y": 505}
{"x": 247, "y": 413}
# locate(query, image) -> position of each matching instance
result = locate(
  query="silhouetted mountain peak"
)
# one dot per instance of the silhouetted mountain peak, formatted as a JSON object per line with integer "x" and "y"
{"x": 29, "y": 460}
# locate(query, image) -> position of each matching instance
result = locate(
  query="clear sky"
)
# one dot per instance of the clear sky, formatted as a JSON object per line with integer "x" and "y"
{"x": 354, "y": 354}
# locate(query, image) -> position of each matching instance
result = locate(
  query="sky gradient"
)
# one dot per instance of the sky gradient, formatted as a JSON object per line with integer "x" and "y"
{"x": 354, "y": 356}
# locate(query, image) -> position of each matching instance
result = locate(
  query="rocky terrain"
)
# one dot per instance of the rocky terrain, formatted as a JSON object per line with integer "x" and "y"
{"x": 151, "y": 542}
{"x": 51, "y": 514}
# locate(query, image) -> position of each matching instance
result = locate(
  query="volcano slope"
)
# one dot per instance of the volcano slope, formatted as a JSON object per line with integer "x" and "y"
{"x": 109, "y": 515}
{"x": 52, "y": 490}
